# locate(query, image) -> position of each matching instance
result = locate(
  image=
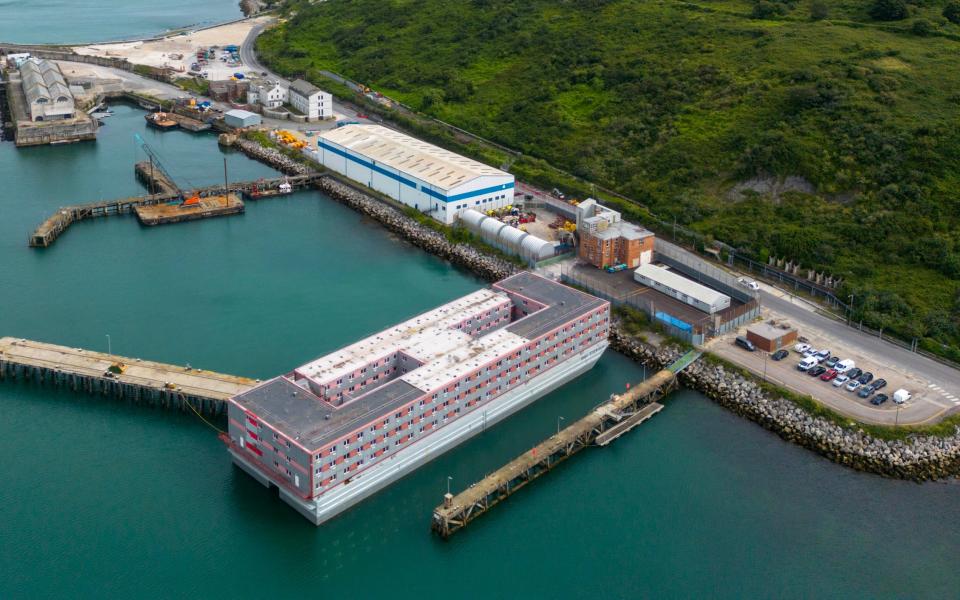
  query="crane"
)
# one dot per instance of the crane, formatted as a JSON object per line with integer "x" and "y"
{"x": 185, "y": 199}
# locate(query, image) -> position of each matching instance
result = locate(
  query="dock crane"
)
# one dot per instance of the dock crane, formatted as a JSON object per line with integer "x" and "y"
{"x": 185, "y": 199}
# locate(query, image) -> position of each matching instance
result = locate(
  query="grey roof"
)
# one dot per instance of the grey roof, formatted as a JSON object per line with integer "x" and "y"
{"x": 563, "y": 303}
{"x": 304, "y": 88}
{"x": 42, "y": 79}
{"x": 313, "y": 423}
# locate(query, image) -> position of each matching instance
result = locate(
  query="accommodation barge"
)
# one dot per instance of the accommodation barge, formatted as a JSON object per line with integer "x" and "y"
{"x": 338, "y": 429}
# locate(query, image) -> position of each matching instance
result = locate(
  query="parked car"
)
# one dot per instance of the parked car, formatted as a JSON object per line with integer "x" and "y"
{"x": 854, "y": 373}
{"x": 748, "y": 283}
{"x": 823, "y": 354}
{"x": 840, "y": 380}
{"x": 844, "y": 365}
{"x": 879, "y": 399}
{"x": 831, "y": 362}
{"x": 801, "y": 347}
{"x": 865, "y": 378}
{"x": 900, "y": 396}
{"x": 780, "y": 354}
{"x": 829, "y": 374}
{"x": 807, "y": 363}
{"x": 866, "y": 391}
{"x": 879, "y": 384}
{"x": 745, "y": 343}
{"x": 817, "y": 371}
{"x": 853, "y": 385}
{"x": 811, "y": 352}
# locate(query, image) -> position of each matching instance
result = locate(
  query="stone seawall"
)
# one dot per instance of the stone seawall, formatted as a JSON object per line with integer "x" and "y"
{"x": 488, "y": 267}
{"x": 921, "y": 458}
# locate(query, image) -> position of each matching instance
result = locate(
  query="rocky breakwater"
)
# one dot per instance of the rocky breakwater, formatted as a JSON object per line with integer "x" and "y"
{"x": 919, "y": 458}
{"x": 271, "y": 156}
{"x": 488, "y": 267}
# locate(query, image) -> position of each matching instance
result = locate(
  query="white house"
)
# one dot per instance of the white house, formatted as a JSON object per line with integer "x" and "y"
{"x": 267, "y": 93}
{"x": 432, "y": 180}
{"x": 47, "y": 94}
{"x": 310, "y": 100}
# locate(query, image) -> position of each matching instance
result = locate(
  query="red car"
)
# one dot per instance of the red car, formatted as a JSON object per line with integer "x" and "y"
{"x": 830, "y": 374}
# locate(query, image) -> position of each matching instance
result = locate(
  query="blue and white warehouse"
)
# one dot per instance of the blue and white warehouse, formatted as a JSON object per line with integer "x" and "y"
{"x": 430, "y": 179}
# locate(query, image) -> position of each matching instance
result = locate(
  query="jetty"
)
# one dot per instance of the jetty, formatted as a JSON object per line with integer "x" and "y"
{"x": 599, "y": 427}
{"x": 54, "y": 226}
{"x": 139, "y": 381}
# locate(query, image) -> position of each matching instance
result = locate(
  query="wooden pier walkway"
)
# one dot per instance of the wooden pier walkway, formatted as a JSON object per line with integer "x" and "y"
{"x": 48, "y": 231}
{"x": 599, "y": 427}
{"x": 133, "y": 379}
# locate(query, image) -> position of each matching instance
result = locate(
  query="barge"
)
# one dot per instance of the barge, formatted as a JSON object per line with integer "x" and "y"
{"x": 338, "y": 429}
{"x": 190, "y": 210}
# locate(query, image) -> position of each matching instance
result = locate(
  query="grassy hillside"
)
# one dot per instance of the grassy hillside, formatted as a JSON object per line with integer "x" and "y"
{"x": 674, "y": 103}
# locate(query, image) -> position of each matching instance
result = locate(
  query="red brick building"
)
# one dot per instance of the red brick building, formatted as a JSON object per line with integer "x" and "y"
{"x": 606, "y": 239}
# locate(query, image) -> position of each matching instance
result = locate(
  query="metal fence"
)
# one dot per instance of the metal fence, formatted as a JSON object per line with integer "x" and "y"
{"x": 700, "y": 270}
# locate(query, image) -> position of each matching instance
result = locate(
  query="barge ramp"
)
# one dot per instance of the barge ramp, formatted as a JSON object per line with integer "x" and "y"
{"x": 140, "y": 381}
{"x": 599, "y": 427}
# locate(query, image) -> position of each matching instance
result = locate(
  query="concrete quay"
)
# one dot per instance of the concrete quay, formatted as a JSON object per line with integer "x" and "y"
{"x": 141, "y": 381}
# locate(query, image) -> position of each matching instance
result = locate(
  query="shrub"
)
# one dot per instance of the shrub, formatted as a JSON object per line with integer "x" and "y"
{"x": 819, "y": 10}
{"x": 889, "y": 10}
{"x": 951, "y": 12}
{"x": 921, "y": 27}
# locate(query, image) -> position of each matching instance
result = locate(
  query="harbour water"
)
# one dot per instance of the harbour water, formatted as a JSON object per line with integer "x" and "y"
{"x": 101, "y": 499}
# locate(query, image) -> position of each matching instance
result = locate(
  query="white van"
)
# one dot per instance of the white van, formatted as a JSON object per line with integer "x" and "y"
{"x": 808, "y": 363}
{"x": 900, "y": 396}
{"x": 844, "y": 365}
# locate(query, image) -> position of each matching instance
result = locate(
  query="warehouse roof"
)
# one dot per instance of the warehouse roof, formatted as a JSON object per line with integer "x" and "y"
{"x": 240, "y": 114}
{"x": 677, "y": 282}
{"x": 436, "y": 166}
{"x": 42, "y": 79}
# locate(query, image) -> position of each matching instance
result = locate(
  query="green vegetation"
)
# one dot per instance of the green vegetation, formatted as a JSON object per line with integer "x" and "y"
{"x": 194, "y": 84}
{"x": 674, "y": 103}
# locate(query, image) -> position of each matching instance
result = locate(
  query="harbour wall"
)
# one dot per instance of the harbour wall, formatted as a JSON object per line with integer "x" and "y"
{"x": 920, "y": 458}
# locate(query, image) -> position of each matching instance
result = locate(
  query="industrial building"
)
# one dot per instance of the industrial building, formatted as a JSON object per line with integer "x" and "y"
{"x": 508, "y": 238}
{"x": 413, "y": 172}
{"x": 47, "y": 94}
{"x": 339, "y": 428}
{"x": 606, "y": 239}
{"x": 310, "y": 100}
{"x": 241, "y": 118}
{"x": 664, "y": 280}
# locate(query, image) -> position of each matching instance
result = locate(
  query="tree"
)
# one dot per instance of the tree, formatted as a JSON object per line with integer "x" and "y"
{"x": 889, "y": 10}
{"x": 951, "y": 12}
{"x": 764, "y": 10}
{"x": 819, "y": 10}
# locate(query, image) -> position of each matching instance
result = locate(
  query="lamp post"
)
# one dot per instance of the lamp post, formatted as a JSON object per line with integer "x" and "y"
{"x": 109, "y": 346}
{"x": 850, "y": 310}
{"x": 559, "y": 418}
{"x": 449, "y": 479}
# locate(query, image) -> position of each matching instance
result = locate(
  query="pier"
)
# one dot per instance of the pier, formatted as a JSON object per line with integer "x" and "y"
{"x": 48, "y": 231}
{"x": 139, "y": 381}
{"x": 599, "y": 427}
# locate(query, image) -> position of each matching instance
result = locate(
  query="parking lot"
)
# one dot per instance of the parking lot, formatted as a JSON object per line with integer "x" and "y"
{"x": 927, "y": 404}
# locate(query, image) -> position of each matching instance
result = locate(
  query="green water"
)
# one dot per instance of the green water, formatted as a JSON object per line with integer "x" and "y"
{"x": 76, "y": 21}
{"x": 101, "y": 499}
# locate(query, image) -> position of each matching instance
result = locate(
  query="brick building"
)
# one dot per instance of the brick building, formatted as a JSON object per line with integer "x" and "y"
{"x": 606, "y": 239}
